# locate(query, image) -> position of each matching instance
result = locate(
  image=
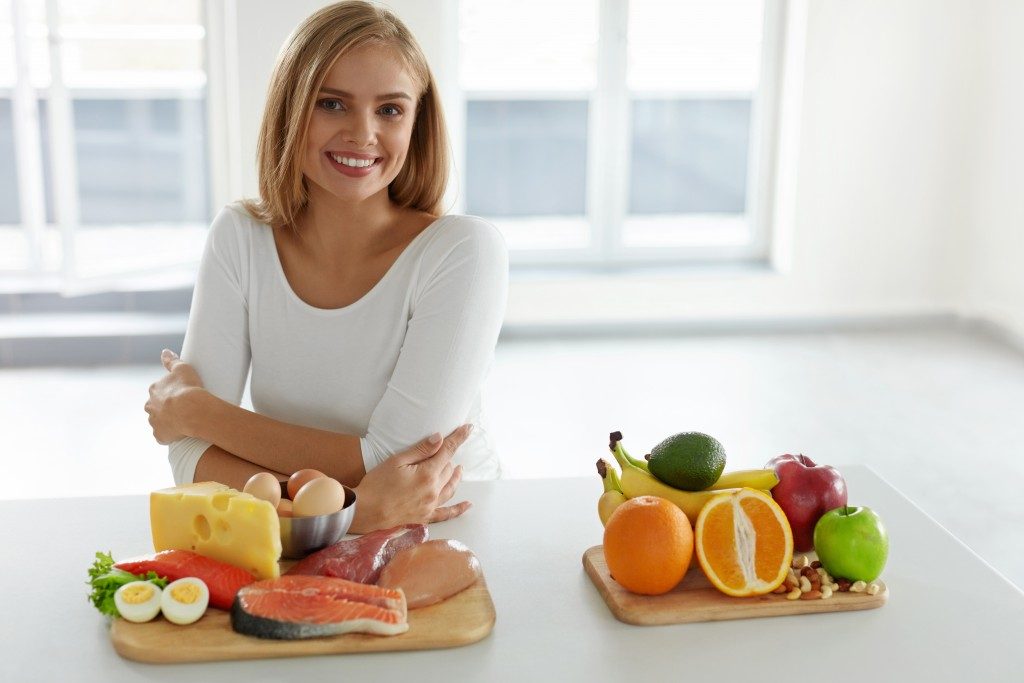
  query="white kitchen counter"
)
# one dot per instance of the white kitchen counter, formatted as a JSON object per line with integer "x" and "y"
{"x": 950, "y": 617}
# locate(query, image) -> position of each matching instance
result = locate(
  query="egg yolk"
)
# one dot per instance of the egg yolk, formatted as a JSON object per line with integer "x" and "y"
{"x": 186, "y": 593}
{"x": 138, "y": 594}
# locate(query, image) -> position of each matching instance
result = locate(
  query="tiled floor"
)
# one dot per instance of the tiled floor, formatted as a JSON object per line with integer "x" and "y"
{"x": 937, "y": 413}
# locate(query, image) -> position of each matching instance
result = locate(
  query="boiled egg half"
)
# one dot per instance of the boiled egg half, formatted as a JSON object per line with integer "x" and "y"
{"x": 138, "y": 601}
{"x": 185, "y": 600}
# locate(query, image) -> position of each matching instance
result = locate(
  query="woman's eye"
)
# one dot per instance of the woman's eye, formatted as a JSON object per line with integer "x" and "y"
{"x": 331, "y": 105}
{"x": 390, "y": 110}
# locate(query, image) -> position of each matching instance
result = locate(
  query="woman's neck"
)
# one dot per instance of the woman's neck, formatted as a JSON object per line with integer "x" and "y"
{"x": 331, "y": 229}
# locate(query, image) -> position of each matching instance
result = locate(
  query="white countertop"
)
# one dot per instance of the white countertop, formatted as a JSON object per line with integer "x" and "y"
{"x": 950, "y": 617}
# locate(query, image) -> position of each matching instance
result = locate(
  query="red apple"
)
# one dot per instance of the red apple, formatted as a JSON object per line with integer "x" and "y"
{"x": 805, "y": 492}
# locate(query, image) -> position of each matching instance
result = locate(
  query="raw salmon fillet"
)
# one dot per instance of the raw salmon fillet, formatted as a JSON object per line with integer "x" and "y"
{"x": 361, "y": 559}
{"x": 293, "y": 607}
{"x": 431, "y": 572}
{"x": 223, "y": 579}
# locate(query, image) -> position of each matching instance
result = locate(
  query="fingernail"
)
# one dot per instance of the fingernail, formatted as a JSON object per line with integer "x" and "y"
{"x": 434, "y": 439}
{"x": 469, "y": 429}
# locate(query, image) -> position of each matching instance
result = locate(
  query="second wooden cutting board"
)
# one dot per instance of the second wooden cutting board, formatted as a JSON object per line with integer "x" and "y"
{"x": 695, "y": 599}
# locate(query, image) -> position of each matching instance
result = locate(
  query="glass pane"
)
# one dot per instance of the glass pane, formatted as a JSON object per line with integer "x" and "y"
{"x": 9, "y": 203}
{"x": 139, "y": 161}
{"x": 695, "y": 45}
{"x": 94, "y": 12}
{"x": 528, "y": 45}
{"x": 689, "y": 156}
{"x": 526, "y": 158}
{"x": 154, "y": 62}
{"x": 7, "y": 74}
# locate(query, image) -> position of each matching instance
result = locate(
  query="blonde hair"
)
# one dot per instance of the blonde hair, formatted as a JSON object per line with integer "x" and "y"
{"x": 301, "y": 68}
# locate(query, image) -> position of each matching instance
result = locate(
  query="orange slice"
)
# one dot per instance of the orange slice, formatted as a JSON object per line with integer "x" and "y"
{"x": 744, "y": 543}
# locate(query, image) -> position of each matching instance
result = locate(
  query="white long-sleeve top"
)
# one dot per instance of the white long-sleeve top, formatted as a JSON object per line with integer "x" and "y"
{"x": 406, "y": 360}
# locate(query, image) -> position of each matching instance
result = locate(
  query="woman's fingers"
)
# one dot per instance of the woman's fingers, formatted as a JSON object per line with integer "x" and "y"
{"x": 168, "y": 358}
{"x": 421, "y": 451}
{"x": 432, "y": 446}
{"x": 452, "y": 483}
{"x": 443, "y": 514}
{"x": 457, "y": 438}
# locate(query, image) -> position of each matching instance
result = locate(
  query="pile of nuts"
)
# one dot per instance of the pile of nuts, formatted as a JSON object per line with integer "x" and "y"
{"x": 808, "y": 580}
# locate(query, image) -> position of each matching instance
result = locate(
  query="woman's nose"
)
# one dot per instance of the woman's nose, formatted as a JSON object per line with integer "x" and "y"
{"x": 360, "y": 129}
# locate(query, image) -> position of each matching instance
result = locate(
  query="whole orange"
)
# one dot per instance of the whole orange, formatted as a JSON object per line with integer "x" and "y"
{"x": 648, "y": 544}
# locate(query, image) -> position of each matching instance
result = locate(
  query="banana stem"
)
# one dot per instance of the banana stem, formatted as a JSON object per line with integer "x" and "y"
{"x": 610, "y": 475}
{"x": 616, "y": 443}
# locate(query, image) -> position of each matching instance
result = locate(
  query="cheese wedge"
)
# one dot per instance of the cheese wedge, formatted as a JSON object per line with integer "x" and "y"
{"x": 217, "y": 521}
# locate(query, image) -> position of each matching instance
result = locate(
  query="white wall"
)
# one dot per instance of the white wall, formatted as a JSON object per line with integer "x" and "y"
{"x": 992, "y": 246}
{"x": 896, "y": 209}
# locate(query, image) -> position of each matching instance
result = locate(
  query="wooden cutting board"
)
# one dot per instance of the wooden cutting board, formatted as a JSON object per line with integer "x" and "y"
{"x": 460, "y": 620}
{"x": 695, "y": 599}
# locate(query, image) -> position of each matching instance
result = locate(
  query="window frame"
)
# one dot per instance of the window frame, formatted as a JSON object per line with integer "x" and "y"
{"x": 608, "y": 157}
{"x": 25, "y": 98}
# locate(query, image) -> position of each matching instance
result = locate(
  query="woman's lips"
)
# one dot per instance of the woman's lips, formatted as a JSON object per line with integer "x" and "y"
{"x": 352, "y": 171}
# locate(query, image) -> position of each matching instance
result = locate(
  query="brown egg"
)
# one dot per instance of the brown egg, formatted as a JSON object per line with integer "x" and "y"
{"x": 321, "y": 496}
{"x": 264, "y": 486}
{"x": 296, "y": 481}
{"x": 284, "y": 508}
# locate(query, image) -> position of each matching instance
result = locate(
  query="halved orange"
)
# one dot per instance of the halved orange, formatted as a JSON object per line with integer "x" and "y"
{"x": 744, "y": 543}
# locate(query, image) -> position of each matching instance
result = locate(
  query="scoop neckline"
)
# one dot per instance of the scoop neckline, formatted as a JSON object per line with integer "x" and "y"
{"x": 344, "y": 309}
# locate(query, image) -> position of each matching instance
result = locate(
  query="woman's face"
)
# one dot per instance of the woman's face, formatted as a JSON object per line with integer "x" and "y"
{"x": 361, "y": 124}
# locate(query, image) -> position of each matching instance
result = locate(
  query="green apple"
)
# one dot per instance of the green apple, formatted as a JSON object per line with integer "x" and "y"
{"x": 851, "y": 543}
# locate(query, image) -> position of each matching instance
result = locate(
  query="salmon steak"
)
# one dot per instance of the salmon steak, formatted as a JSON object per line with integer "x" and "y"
{"x": 223, "y": 580}
{"x": 294, "y": 607}
{"x": 361, "y": 559}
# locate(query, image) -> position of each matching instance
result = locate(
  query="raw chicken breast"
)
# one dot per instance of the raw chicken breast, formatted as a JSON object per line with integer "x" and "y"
{"x": 431, "y": 572}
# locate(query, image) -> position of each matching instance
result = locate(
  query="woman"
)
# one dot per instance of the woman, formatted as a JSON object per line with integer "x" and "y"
{"x": 367, "y": 319}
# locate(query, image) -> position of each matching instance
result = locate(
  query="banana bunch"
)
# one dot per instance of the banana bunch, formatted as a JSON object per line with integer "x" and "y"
{"x": 636, "y": 480}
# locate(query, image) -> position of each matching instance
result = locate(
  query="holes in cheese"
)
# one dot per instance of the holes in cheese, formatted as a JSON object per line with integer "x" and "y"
{"x": 219, "y": 522}
{"x": 201, "y": 525}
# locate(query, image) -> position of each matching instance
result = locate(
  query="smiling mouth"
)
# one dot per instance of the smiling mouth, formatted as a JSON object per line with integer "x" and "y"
{"x": 353, "y": 162}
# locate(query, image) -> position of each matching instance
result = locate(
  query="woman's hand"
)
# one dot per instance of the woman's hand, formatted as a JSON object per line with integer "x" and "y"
{"x": 412, "y": 486}
{"x": 168, "y": 398}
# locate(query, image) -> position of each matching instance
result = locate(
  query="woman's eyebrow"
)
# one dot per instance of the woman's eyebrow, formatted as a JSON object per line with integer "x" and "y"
{"x": 387, "y": 96}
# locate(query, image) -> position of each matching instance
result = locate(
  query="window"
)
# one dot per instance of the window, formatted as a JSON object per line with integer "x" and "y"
{"x": 615, "y": 131}
{"x": 103, "y": 138}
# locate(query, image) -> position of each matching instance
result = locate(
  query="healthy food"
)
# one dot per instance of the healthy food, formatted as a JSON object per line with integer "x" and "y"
{"x": 852, "y": 542}
{"x": 638, "y": 482}
{"x": 805, "y": 492}
{"x": 184, "y": 601}
{"x": 265, "y": 486}
{"x": 105, "y": 579}
{"x": 218, "y": 522}
{"x": 300, "y": 478}
{"x": 690, "y": 461}
{"x": 294, "y": 607}
{"x": 751, "y": 479}
{"x": 431, "y": 572}
{"x": 319, "y": 496}
{"x": 808, "y": 580}
{"x": 138, "y": 601}
{"x": 744, "y": 543}
{"x": 613, "y": 496}
{"x": 648, "y": 544}
{"x": 361, "y": 559}
{"x": 223, "y": 580}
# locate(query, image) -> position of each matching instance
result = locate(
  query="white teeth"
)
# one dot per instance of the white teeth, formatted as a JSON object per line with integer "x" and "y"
{"x": 354, "y": 163}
